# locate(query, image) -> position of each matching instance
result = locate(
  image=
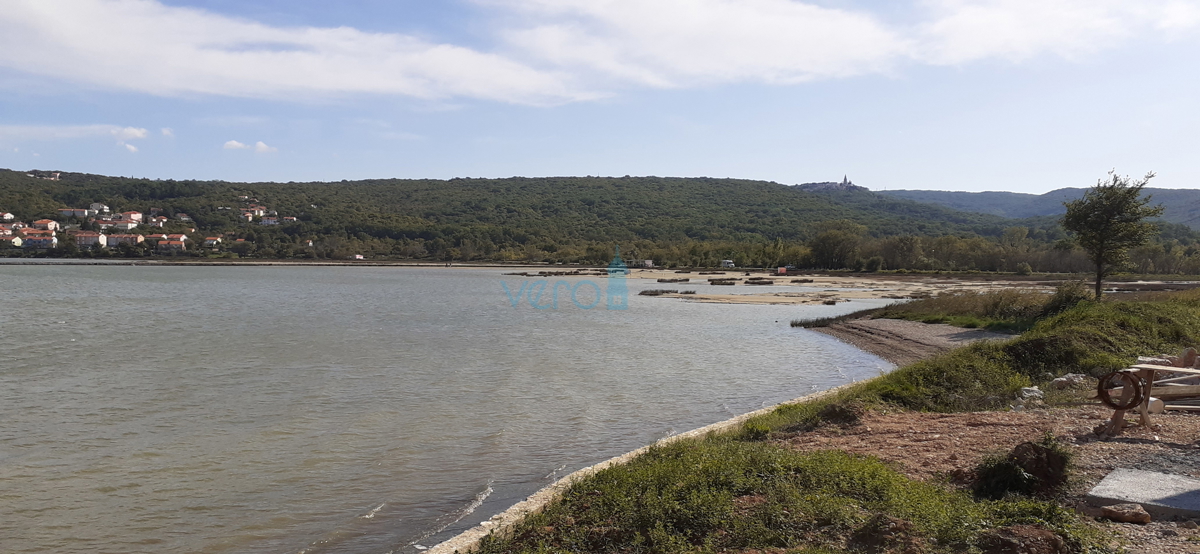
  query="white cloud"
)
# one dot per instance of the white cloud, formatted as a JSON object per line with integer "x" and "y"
{"x": 262, "y": 148}
{"x": 130, "y": 147}
{"x": 128, "y": 133}
{"x": 554, "y": 51}
{"x": 235, "y": 145}
{"x": 960, "y": 31}
{"x": 673, "y": 43}
{"x": 683, "y": 42}
{"x": 168, "y": 132}
{"x": 21, "y": 133}
{"x": 145, "y": 46}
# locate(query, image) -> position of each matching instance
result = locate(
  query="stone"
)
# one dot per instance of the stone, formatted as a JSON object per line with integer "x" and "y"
{"x": 1070, "y": 381}
{"x": 1126, "y": 513}
{"x": 1031, "y": 393}
{"x": 1022, "y": 539}
{"x": 1189, "y": 524}
{"x": 884, "y": 534}
{"x": 1161, "y": 494}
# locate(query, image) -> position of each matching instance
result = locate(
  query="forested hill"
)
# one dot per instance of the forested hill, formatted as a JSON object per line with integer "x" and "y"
{"x": 547, "y": 210}
{"x": 1182, "y": 205}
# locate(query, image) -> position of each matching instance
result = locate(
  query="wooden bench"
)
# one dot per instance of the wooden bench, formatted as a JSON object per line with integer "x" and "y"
{"x": 1167, "y": 388}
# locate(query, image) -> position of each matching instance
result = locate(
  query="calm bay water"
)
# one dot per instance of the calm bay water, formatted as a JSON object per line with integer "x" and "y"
{"x": 347, "y": 409}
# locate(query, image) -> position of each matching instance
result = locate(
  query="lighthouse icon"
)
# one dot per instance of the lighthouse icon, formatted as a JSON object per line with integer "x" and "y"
{"x": 618, "y": 295}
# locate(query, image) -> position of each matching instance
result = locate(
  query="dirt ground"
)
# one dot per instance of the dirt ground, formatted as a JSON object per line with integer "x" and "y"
{"x": 904, "y": 342}
{"x": 945, "y": 448}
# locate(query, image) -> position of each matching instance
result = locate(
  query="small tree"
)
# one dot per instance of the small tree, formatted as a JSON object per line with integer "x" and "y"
{"x": 1108, "y": 221}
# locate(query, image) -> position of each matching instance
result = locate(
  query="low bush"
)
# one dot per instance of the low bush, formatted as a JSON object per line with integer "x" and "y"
{"x": 717, "y": 494}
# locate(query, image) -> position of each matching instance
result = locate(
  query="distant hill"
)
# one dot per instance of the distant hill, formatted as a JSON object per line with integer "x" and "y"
{"x": 1182, "y": 205}
{"x": 517, "y": 209}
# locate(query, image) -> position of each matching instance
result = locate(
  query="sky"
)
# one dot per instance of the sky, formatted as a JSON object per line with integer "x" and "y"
{"x": 973, "y": 95}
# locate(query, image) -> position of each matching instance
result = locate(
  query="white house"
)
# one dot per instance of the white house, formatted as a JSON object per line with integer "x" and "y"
{"x": 114, "y": 240}
{"x": 88, "y": 239}
{"x": 269, "y": 221}
{"x": 7, "y": 216}
{"x": 98, "y": 208}
{"x": 47, "y": 224}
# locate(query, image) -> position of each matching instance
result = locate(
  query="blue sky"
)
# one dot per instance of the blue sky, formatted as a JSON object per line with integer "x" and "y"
{"x": 1019, "y": 95}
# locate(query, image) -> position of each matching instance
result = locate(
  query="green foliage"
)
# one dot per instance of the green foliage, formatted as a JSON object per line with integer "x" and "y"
{"x": 1004, "y": 310}
{"x": 1065, "y": 297}
{"x": 718, "y": 494}
{"x": 1109, "y": 220}
{"x": 1092, "y": 337}
{"x": 1041, "y": 467}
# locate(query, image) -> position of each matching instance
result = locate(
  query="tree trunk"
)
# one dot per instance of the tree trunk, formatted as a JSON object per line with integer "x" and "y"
{"x": 1099, "y": 280}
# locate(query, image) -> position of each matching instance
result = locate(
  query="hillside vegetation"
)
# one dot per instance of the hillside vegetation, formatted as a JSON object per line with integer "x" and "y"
{"x": 1182, "y": 205}
{"x": 673, "y": 221}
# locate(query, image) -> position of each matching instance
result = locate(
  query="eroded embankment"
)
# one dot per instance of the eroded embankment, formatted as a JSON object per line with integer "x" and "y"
{"x": 904, "y": 342}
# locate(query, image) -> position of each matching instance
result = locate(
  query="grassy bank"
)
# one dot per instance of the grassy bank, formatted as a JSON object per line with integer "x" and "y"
{"x": 737, "y": 492}
{"x": 1008, "y": 310}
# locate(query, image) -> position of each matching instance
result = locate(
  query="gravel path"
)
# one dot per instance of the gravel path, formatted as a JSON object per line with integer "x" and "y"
{"x": 946, "y": 447}
{"x": 904, "y": 342}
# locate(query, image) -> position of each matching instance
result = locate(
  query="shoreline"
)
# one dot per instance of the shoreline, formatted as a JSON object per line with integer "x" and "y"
{"x": 468, "y": 540}
{"x": 928, "y": 339}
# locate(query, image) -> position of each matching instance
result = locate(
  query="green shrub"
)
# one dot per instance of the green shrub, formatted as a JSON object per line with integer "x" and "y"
{"x": 719, "y": 494}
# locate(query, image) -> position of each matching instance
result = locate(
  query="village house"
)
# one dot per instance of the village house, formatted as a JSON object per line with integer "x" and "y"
{"x": 156, "y": 237}
{"x": 40, "y": 242}
{"x": 47, "y": 224}
{"x": 184, "y": 217}
{"x": 130, "y": 216}
{"x": 289, "y": 219}
{"x": 124, "y": 225}
{"x": 98, "y": 208}
{"x": 171, "y": 245}
{"x": 7, "y": 216}
{"x": 247, "y": 216}
{"x": 89, "y": 239}
{"x": 180, "y": 238}
{"x": 114, "y": 240}
{"x": 212, "y": 241}
{"x": 159, "y": 222}
{"x": 74, "y": 212}
{"x": 269, "y": 221}
{"x": 10, "y": 242}
{"x": 36, "y": 232}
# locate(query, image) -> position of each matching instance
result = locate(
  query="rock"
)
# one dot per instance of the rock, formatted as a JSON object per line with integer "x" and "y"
{"x": 1169, "y": 533}
{"x": 1155, "y": 360}
{"x": 1070, "y": 381}
{"x": 1022, "y": 539}
{"x": 883, "y": 534}
{"x": 1126, "y": 513}
{"x": 1031, "y": 393}
{"x": 1189, "y": 524}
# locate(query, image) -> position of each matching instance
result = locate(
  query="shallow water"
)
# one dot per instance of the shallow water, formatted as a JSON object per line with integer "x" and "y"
{"x": 348, "y": 409}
